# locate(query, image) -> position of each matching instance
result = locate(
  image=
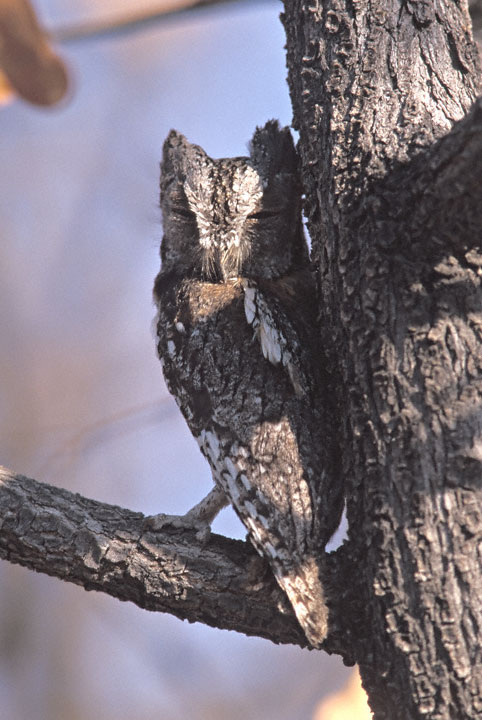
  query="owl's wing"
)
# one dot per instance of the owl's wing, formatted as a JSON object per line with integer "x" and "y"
{"x": 279, "y": 340}
{"x": 257, "y": 421}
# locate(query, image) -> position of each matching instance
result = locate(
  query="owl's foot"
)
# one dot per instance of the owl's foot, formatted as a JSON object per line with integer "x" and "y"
{"x": 199, "y": 518}
{"x": 182, "y": 522}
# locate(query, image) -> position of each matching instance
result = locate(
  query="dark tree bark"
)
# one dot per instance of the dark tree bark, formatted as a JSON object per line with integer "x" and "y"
{"x": 104, "y": 547}
{"x": 393, "y": 184}
{"x": 391, "y": 148}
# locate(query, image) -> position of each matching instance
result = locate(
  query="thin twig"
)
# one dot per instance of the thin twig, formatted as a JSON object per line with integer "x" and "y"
{"x": 133, "y": 22}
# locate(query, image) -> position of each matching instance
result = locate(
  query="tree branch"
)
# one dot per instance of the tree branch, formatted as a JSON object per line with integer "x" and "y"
{"x": 446, "y": 194}
{"x": 103, "y": 547}
{"x": 130, "y": 22}
{"x": 434, "y": 200}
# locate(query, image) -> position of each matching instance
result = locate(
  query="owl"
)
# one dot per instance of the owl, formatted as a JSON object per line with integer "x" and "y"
{"x": 241, "y": 354}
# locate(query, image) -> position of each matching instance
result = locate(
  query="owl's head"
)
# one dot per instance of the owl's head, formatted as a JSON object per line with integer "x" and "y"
{"x": 233, "y": 217}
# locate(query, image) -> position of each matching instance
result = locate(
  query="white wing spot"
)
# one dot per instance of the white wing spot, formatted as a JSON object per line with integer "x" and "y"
{"x": 295, "y": 378}
{"x": 213, "y": 444}
{"x": 251, "y": 509}
{"x": 271, "y": 550}
{"x": 274, "y": 345}
{"x": 258, "y": 315}
{"x": 180, "y": 327}
{"x": 231, "y": 468}
{"x": 209, "y": 442}
{"x": 253, "y": 529}
{"x": 264, "y": 521}
{"x": 249, "y": 304}
{"x": 233, "y": 490}
{"x": 231, "y": 482}
{"x": 269, "y": 339}
{"x": 244, "y": 481}
{"x": 171, "y": 348}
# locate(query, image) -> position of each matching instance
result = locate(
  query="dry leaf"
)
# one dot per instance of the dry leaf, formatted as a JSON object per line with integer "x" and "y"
{"x": 6, "y": 90}
{"x": 31, "y": 67}
{"x": 348, "y": 704}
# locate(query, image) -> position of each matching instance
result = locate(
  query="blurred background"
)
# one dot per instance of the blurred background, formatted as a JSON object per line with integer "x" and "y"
{"x": 83, "y": 404}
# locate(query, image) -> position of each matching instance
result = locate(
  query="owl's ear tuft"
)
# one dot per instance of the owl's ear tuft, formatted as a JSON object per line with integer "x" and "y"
{"x": 273, "y": 151}
{"x": 178, "y": 154}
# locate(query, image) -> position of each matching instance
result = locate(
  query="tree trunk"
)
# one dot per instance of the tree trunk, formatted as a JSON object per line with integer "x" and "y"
{"x": 393, "y": 203}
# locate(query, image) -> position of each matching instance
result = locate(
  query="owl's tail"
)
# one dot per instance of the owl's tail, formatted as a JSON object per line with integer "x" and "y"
{"x": 304, "y": 589}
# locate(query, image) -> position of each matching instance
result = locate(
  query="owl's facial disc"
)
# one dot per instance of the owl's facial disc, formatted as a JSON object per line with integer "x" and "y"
{"x": 221, "y": 195}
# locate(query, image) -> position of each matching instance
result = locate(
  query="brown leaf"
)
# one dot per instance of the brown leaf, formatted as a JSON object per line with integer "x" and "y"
{"x": 6, "y": 90}
{"x": 350, "y": 703}
{"x": 30, "y": 65}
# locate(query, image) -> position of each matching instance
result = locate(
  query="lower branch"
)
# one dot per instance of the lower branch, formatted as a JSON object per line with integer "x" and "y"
{"x": 102, "y": 547}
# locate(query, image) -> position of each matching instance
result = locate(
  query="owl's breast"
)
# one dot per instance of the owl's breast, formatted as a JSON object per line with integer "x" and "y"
{"x": 203, "y": 340}
{"x": 201, "y": 302}
{"x": 213, "y": 363}
{"x": 196, "y": 315}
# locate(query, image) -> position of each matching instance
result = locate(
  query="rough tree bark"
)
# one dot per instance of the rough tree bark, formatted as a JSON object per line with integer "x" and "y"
{"x": 393, "y": 205}
{"x": 391, "y": 147}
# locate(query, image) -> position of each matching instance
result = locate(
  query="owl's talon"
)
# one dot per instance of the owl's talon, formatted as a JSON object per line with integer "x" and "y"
{"x": 203, "y": 534}
{"x": 198, "y": 519}
{"x": 156, "y": 523}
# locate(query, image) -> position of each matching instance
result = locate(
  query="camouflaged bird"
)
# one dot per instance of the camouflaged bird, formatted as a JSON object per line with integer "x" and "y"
{"x": 240, "y": 350}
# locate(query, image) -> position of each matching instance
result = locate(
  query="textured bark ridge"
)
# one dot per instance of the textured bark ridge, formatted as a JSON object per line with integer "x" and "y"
{"x": 394, "y": 211}
{"x": 103, "y": 547}
{"x": 110, "y": 549}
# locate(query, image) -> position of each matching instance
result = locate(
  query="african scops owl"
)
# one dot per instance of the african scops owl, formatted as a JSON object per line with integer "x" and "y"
{"x": 240, "y": 351}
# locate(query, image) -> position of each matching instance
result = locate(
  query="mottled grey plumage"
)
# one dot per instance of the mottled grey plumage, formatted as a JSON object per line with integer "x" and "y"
{"x": 240, "y": 352}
